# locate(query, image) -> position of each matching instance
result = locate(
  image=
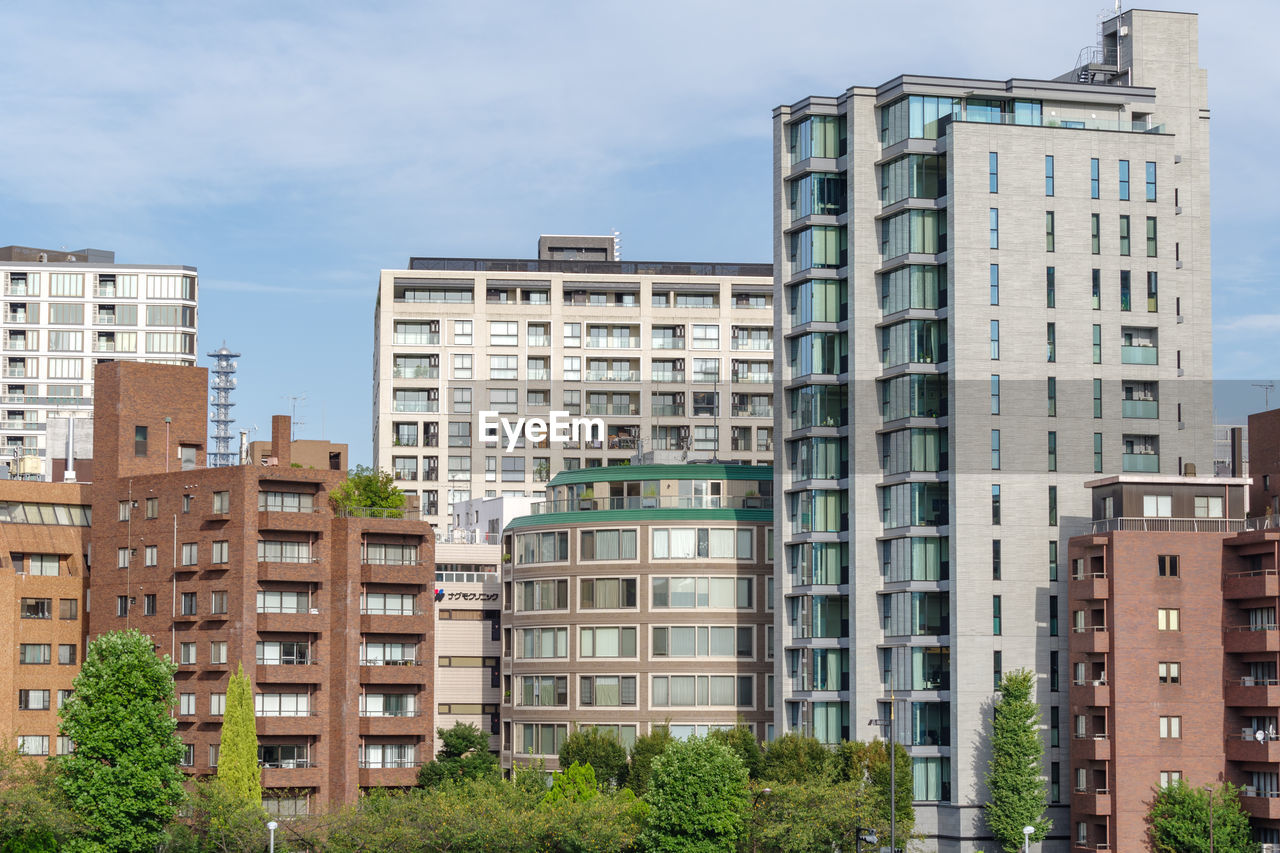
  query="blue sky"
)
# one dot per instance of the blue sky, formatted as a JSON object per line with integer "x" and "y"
{"x": 290, "y": 150}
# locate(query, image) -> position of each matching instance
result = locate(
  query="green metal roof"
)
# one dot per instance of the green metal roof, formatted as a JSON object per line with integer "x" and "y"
{"x": 641, "y": 515}
{"x": 696, "y": 471}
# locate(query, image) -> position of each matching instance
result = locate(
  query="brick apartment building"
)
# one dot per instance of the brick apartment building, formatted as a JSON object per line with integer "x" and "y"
{"x": 330, "y": 614}
{"x": 1173, "y": 655}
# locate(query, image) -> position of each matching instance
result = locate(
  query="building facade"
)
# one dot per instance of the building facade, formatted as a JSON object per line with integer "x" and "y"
{"x": 329, "y": 611}
{"x": 671, "y": 357}
{"x": 637, "y": 596}
{"x": 64, "y": 312}
{"x": 1173, "y": 655}
{"x": 989, "y": 291}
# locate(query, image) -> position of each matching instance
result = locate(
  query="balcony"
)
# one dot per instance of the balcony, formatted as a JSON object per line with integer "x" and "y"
{"x": 22, "y": 426}
{"x": 294, "y": 570}
{"x": 1139, "y": 355}
{"x": 1140, "y": 408}
{"x": 623, "y": 409}
{"x": 668, "y": 411}
{"x": 667, "y": 376}
{"x": 298, "y": 774}
{"x": 651, "y": 502}
{"x": 668, "y": 343}
{"x": 1091, "y": 638}
{"x": 1247, "y": 639}
{"x": 415, "y": 373}
{"x": 1091, "y": 802}
{"x": 292, "y": 673}
{"x": 1247, "y": 748}
{"x": 1253, "y": 693}
{"x": 292, "y": 621}
{"x": 374, "y": 775}
{"x": 752, "y": 411}
{"x": 1264, "y": 805}
{"x": 1170, "y": 525}
{"x": 1091, "y": 748}
{"x": 394, "y": 621}
{"x": 629, "y": 342}
{"x": 1140, "y": 463}
{"x": 402, "y": 672}
{"x": 1095, "y": 693}
{"x": 430, "y": 339}
{"x": 308, "y": 723}
{"x": 1091, "y": 586}
{"x": 612, "y": 376}
{"x": 415, "y": 406}
{"x": 400, "y": 724}
{"x": 537, "y": 374}
{"x": 1264, "y": 583}
{"x": 753, "y": 344}
{"x": 752, "y": 377}
{"x": 410, "y": 573}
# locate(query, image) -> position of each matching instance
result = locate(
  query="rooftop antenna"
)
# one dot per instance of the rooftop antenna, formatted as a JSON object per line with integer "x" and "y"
{"x": 617, "y": 245}
{"x": 223, "y": 382}
{"x": 1267, "y": 388}
{"x": 294, "y": 423}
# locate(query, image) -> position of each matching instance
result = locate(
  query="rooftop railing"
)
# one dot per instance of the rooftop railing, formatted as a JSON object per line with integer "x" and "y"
{"x": 651, "y": 502}
{"x": 1170, "y": 525}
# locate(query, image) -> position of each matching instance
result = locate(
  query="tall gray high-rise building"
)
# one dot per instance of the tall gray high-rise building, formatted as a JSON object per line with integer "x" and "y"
{"x": 989, "y": 291}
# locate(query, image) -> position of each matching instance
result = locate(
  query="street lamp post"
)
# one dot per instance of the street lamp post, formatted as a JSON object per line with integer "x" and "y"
{"x": 1026, "y": 838}
{"x": 893, "y": 776}
{"x": 862, "y": 834}
{"x": 271, "y": 830}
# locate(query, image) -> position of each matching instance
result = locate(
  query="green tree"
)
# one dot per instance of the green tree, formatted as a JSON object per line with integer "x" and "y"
{"x": 34, "y": 814}
{"x": 794, "y": 758}
{"x": 743, "y": 742}
{"x": 123, "y": 779}
{"x": 1015, "y": 789}
{"x": 601, "y": 750}
{"x": 219, "y": 822}
{"x": 464, "y": 755}
{"x": 810, "y": 817}
{"x": 238, "y": 769}
{"x": 1179, "y": 820}
{"x": 366, "y": 488}
{"x": 575, "y": 782}
{"x": 697, "y": 797}
{"x": 856, "y": 761}
{"x": 643, "y": 752}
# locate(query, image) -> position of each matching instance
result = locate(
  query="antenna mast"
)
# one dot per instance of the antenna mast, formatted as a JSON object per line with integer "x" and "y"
{"x": 223, "y": 382}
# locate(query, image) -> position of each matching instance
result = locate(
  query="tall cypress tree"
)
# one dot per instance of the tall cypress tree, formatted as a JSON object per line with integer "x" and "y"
{"x": 238, "y": 767}
{"x": 1016, "y": 789}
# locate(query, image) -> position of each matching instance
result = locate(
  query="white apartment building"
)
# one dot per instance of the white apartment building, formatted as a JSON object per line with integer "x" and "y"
{"x": 989, "y": 292}
{"x": 670, "y": 357}
{"x": 63, "y": 313}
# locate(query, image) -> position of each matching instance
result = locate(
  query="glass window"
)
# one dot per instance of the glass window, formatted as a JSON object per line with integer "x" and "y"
{"x": 995, "y": 450}
{"x": 1151, "y": 237}
{"x": 1095, "y": 231}
{"x": 1048, "y": 231}
{"x": 995, "y": 340}
{"x": 1048, "y": 174}
{"x": 1151, "y": 181}
{"x": 994, "y": 226}
{"x": 995, "y": 284}
{"x": 993, "y": 169}
{"x": 1124, "y": 180}
{"x": 1093, "y": 178}
{"x": 1051, "y": 342}
{"x": 1050, "y": 287}
{"x": 995, "y": 394}
{"x": 1124, "y": 235}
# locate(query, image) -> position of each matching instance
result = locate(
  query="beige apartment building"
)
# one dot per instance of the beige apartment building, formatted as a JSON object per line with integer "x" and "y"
{"x": 671, "y": 357}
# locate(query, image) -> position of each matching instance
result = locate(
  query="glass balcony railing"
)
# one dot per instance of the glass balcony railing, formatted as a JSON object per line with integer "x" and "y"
{"x": 1140, "y": 463}
{"x": 1140, "y": 408}
{"x": 613, "y": 342}
{"x": 752, "y": 344}
{"x": 613, "y": 376}
{"x": 415, "y": 373}
{"x": 415, "y": 406}
{"x": 1139, "y": 355}
{"x": 667, "y": 376}
{"x": 412, "y": 339}
{"x": 660, "y": 411}
{"x": 668, "y": 343}
{"x": 612, "y": 409}
{"x": 652, "y": 502}
{"x": 752, "y": 411}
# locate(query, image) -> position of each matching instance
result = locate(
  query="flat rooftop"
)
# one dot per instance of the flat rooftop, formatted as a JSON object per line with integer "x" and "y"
{"x": 533, "y": 265}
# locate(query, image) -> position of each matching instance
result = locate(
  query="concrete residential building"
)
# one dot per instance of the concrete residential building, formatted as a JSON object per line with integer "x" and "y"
{"x": 670, "y": 356}
{"x": 329, "y": 611}
{"x": 994, "y": 290}
{"x": 64, "y": 312}
{"x": 640, "y": 595}
{"x": 1173, "y": 655}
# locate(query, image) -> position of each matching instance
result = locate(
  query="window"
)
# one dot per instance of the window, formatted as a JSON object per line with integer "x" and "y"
{"x": 993, "y": 172}
{"x": 995, "y": 559}
{"x": 995, "y": 615}
{"x": 700, "y": 592}
{"x": 542, "y": 738}
{"x": 504, "y": 334}
{"x": 1157, "y": 506}
{"x": 1124, "y": 180}
{"x": 1168, "y": 619}
{"x": 1051, "y": 342}
{"x": 1151, "y": 181}
{"x": 1170, "y": 727}
{"x": 1093, "y": 177}
{"x": 606, "y": 593}
{"x": 1170, "y": 672}
{"x": 1170, "y": 777}
{"x": 1053, "y": 616}
{"x": 607, "y": 691}
{"x": 607, "y": 643}
{"x": 685, "y": 543}
{"x": 125, "y": 507}
{"x": 1097, "y": 395}
{"x": 1053, "y": 451}
{"x": 462, "y": 332}
{"x": 34, "y": 653}
{"x": 706, "y": 337}
{"x": 1153, "y": 291}
{"x": 68, "y": 608}
{"x": 188, "y": 603}
{"x": 122, "y": 558}
{"x": 1053, "y": 560}
{"x": 1167, "y": 565}
{"x": 460, "y": 435}
{"x": 139, "y": 441}
{"x": 187, "y": 500}
{"x": 1208, "y": 506}
{"x": 152, "y": 508}
{"x": 995, "y": 450}
{"x": 686, "y": 641}
{"x": 994, "y": 221}
{"x": 543, "y": 691}
{"x": 995, "y": 393}
{"x": 67, "y": 654}
{"x": 186, "y": 704}
{"x": 33, "y": 700}
{"x": 607, "y": 545}
{"x": 149, "y": 605}
{"x": 1151, "y": 237}
{"x": 1048, "y": 230}
{"x": 1053, "y": 506}
{"x": 1048, "y": 174}
{"x": 33, "y": 744}
{"x": 695, "y": 690}
{"x": 282, "y": 704}
{"x": 218, "y": 602}
{"x": 995, "y": 504}
{"x": 1095, "y": 232}
{"x": 150, "y": 555}
{"x": 1050, "y": 287}
{"x": 221, "y": 503}
{"x": 186, "y": 653}
{"x": 1124, "y": 235}
{"x": 1097, "y": 344}
{"x": 543, "y": 643}
{"x": 462, "y": 366}
{"x": 573, "y": 334}
{"x": 503, "y": 366}
{"x": 997, "y": 670}
{"x": 1053, "y": 671}
{"x": 995, "y": 340}
{"x": 287, "y": 653}
{"x": 1097, "y": 452}
{"x": 1052, "y": 394}
{"x": 122, "y": 605}
{"x": 36, "y": 608}
{"x": 542, "y": 595}
{"x": 218, "y": 552}
{"x": 217, "y": 704}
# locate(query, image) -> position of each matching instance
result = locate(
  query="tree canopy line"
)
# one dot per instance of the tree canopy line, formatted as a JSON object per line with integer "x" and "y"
{"x": 121, "y": 789}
